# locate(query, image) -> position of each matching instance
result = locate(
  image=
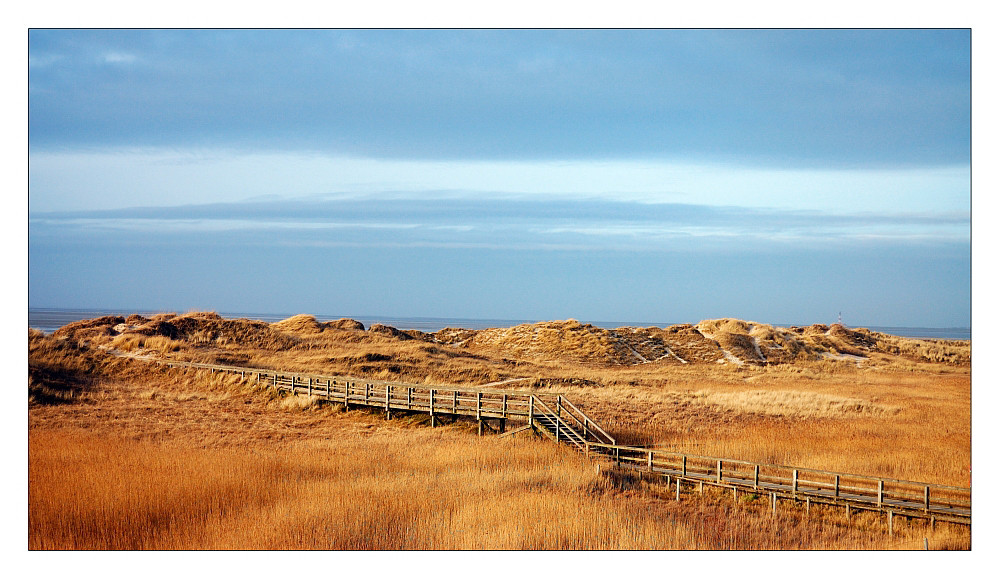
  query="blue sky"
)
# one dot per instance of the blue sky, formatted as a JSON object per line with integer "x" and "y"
{"x": 657, "y": 176}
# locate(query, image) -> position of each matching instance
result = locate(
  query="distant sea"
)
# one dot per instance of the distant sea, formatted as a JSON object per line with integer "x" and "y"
{"x": 49, "y": 320}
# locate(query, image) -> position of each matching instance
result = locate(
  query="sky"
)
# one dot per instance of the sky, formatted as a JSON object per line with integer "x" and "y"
{"x": 655, "y": 176}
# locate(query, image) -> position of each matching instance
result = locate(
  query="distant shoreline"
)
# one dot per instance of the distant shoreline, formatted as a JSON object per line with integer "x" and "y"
{"x": 50, "y": 319}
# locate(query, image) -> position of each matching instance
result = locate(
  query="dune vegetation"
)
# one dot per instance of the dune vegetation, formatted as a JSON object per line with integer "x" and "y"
{"x": 127, "y": 454}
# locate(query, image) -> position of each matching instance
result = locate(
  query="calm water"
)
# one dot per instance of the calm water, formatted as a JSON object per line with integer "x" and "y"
{"x": 50, "y": 319}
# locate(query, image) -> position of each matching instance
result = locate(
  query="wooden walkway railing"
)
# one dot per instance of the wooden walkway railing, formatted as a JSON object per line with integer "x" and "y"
{"x": 557, "y": 418}
{"x": 893, "y": 497}
{"x": 491, "y": 408}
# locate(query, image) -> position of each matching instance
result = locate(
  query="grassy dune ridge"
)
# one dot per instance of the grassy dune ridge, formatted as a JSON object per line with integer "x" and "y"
{"x": 210, "y": 461}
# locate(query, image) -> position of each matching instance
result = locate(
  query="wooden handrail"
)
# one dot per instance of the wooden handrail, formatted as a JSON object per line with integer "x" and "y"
{"x": 587, "y": 421}
{"x": 912, "y": 497}
{"x": 783, "y": 467}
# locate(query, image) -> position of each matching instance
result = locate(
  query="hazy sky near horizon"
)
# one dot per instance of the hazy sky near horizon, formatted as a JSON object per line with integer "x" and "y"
{"x": 659, "y": 176}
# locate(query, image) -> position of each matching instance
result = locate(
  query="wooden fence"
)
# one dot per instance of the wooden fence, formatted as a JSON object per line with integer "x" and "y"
{"x": 556, "y": 417}
{"x": 891, "y": 496}
{"x": 490, "y": 407}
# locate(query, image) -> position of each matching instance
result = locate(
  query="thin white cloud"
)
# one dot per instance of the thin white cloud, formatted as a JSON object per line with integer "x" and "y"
{"x": 496, "y": 223}
{"x": 118, "y": 58}
{"x": 158, "y": 177}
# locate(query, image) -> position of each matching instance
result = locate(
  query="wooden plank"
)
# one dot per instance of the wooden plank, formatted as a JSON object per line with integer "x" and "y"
{"x": 515, "y": 431}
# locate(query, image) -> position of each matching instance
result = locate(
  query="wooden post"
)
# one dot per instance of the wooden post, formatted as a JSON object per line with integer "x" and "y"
{"x": 795, "y": 482}
{"x": 479, "y": 405}
{"x": 774, "y": 504}
{"x": 756, "y": 476}
{"x": 505, "y": 406}
{"x": 836, "y": 486}
{"x": 880, "y": 488}
{"x": 734, "y": 494}
{"x": 328, "y": 388}
{"x": 309, "y": 388}
{"x": 701, "y": 487}
{"x": 848, "y": 508}
{"x": 718, "y": 471}
{"x": 684, "y": 466}
{"x": 890, "y": 523}
{"x": 347, "y": 395}
{"x": 454, "y": 402}
{"x": 388, "y": 397}
{"x": 677, "y": 497}
{"x": 531, "y": 410}
{"x": 927, "y": 499}
{"x": 367, "y": 390}
{"x": 807, "y": 506}
{"x": 586, "y": 452}
{"x": 275, "y": 380}
{"x": 432, "y": 407}
{"x": 409, "y": 397}
{"x": 649, "y": 460}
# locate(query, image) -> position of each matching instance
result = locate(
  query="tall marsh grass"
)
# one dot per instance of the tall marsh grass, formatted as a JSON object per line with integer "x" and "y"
{"x": 400, "y": 489}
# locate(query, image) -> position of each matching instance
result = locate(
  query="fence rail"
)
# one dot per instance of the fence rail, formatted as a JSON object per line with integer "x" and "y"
{"x": 908, "y": 498}
{"x": 559, "y": 419}
{"x": 485, "y": 404}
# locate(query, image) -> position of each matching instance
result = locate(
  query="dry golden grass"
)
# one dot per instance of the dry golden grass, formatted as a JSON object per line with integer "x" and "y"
{"x": 138, "y": 343}
{"x": 897, "y": 415}
{"x": 792, "y": 403}
{"x": 398, "y": 488}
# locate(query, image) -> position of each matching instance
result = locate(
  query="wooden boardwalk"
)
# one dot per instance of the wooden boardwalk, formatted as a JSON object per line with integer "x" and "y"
{"x": 555, "y": 417}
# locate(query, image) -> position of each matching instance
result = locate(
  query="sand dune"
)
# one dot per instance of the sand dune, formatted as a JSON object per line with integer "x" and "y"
{"x": 720, "y": 341}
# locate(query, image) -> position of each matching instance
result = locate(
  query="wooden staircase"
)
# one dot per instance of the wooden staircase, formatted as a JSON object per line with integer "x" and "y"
{"x": 555, "y": 428}
{"x": 566, "y": 424}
